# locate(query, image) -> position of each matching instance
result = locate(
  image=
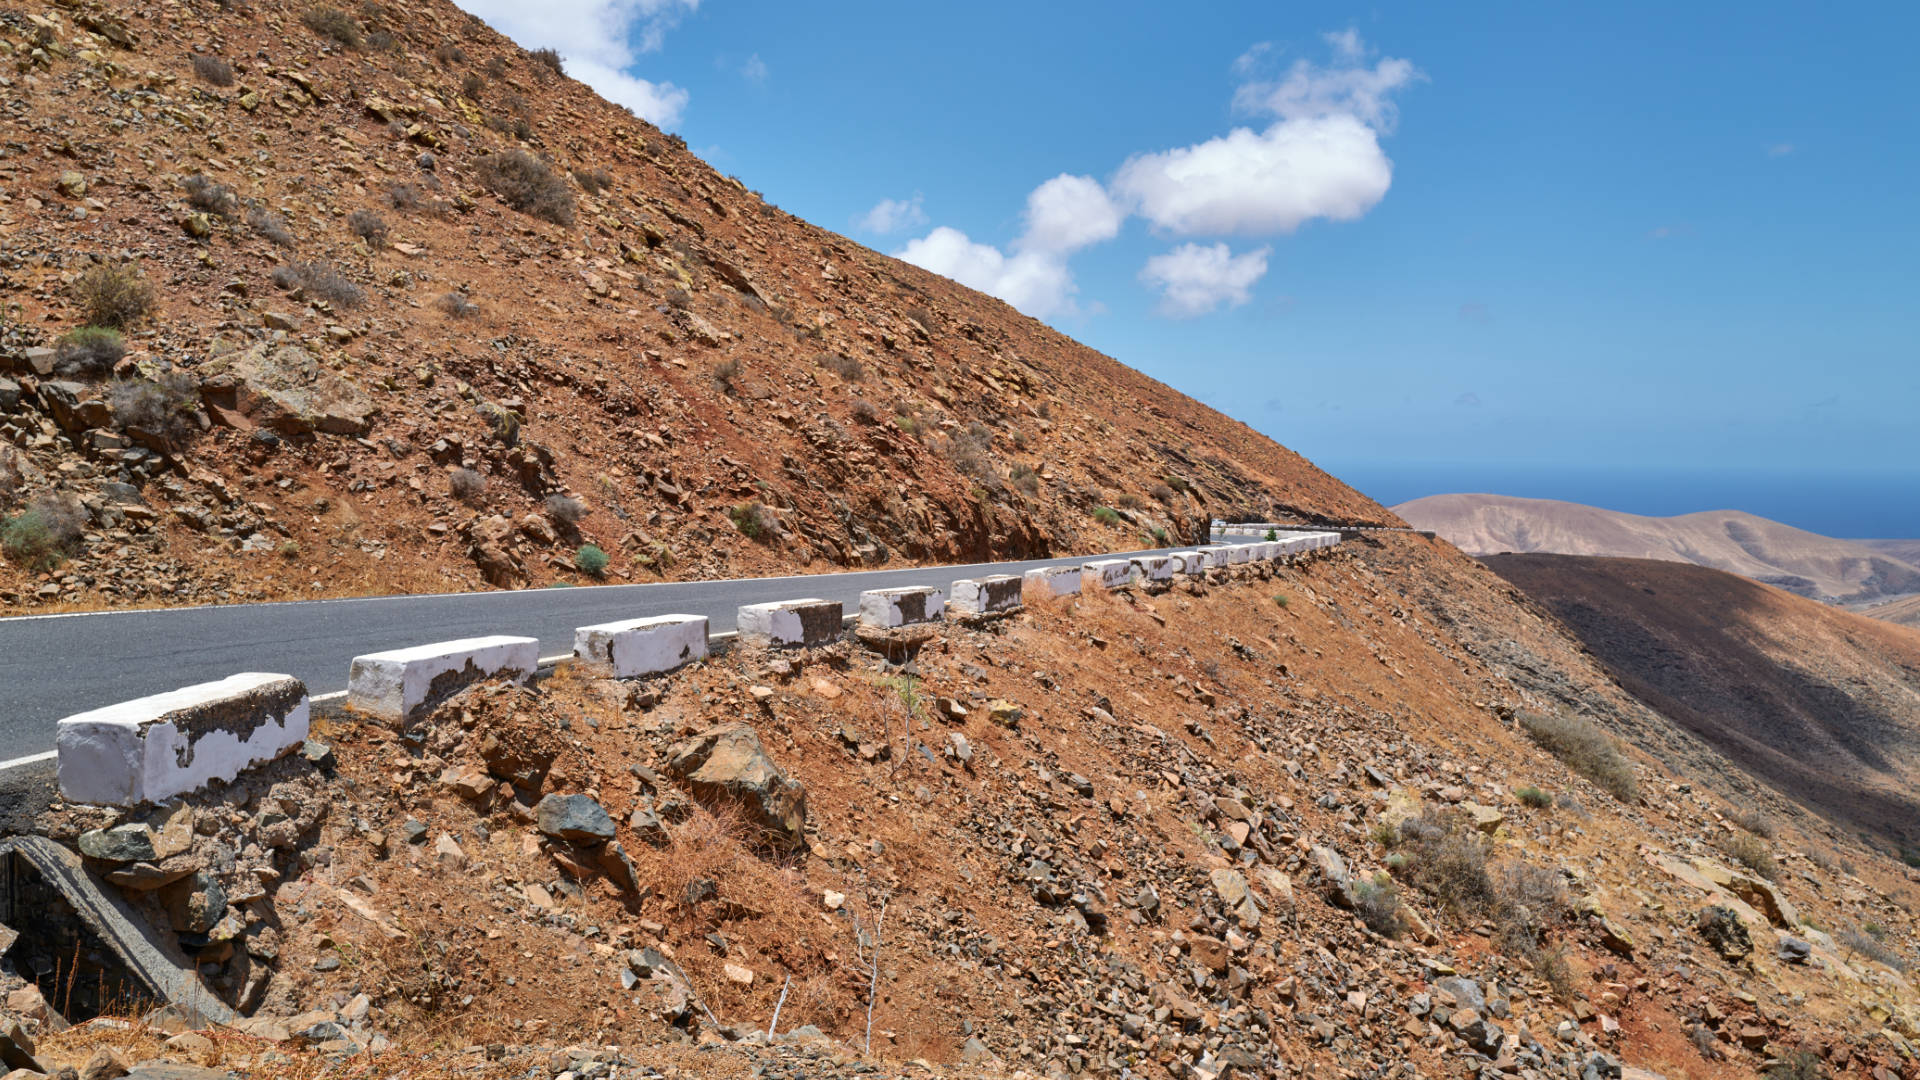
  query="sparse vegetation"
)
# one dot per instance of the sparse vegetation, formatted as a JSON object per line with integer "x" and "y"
{"x": 334, "y": 25}
{"x": 1160, "y": 535}
{"x": 1798, "y": 1065}
{"x": 447, "y": 54}
{"x": 549, "y": 59}
{"x": 212, "y": 70}
{"x": 467, "y": 486}
{"x": 1753, "y": 820}
{"x": 726, "y": 373}
{"x": 1282, "y": 600}
{"x": 203, "y": 193}
{"x": 1534, "y": 797}
{"x": 165, "y": 405}
{"x": 1449, "y": 860}
{"x": 455, "y": 305}
{"x": 1026, "y": 479}
{"x": 320, "y": 281}
{"x": 1584, "y": 748}
{"x": 113, "y": 294}
{"x": 755, "y": 520}
{"x": 846, "y": 367}
{"x": 1127, "y": 501}
{"x": 368, "y": 226}
{"x": 1272, "y": 534}
{"x": 1751, "y": 852}
{"x": 865, "y": 412}
{"x": 590, "y": 560}
{"x": 1873, "y": 946}
{"x": 527, "y": 184}
{"x": 270, "y": 225}
{"x": 566, "y": 510}
{"x": 90, "y": 351}
{"x": 403, "y": 196}
{"x": 1161, "y": 494}
{"x": 1106, "y": 515}
{"x": 969, "y": 451}
{"x": 41, "y": 537}
{"x": 471, "y": 84}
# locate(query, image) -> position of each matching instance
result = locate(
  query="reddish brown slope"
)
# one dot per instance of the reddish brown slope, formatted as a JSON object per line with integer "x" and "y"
{"x": 680, "y": 349}
{"x": 1821, "y": 703}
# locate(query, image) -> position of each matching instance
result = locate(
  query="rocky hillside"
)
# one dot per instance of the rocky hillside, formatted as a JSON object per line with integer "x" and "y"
{"x": 1288, "y": 821}
{"x": 1838, "y": 571}
{"x": 308, "y": 302}
{"x": 1822, "y": 704}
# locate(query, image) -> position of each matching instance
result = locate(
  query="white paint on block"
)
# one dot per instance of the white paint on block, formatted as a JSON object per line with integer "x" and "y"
{"x": 397, "y": 684}
{"x": 1054, "y": 580}
{"x": 809, "y": 623}
{"x": 987, "y": 595}
{"x": 1105, "y": 574}
{"x": 154, "y": 748}
{"x": 1238, "y": 554}
{"x": 637, "y": 647}
{"x": 888, "y": 608}
{"x": 1154, "y": 569}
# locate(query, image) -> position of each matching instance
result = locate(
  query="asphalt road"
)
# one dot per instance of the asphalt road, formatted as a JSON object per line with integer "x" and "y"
{"x": 53, "y": 666}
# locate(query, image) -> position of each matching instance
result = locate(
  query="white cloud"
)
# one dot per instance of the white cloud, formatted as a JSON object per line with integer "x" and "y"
{"x": 601, "y": 40}
{"x": 754, "y": 70}
{"x": 892, "y": 215}
{"x": 1309, "y": 91}
{"x": 1067, "y": 213}
{"x": 1194, "y": 280}
{"x": 1036, "y": 282}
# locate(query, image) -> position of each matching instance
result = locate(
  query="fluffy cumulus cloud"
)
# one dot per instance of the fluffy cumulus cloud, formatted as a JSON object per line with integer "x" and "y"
{"x": 601, "y": 40}
{"x": 893, "y": 215}
{"x": 1194, "y": 279}
{"x": 1318, "y": 155}
{"x": 1036, "y": 282}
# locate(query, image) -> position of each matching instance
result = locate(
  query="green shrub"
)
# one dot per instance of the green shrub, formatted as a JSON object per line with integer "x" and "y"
{"x": 527, "y": 184}
{"x": 40, "y": 537}
{"x": 590, "y": 559}
{"x": 1272, "y": 534}
{"x": 89, "y": 351}
{"x": 1534, "y": 797}
{"x": 1159, "y": 535}
{"x": 1282, "y": 600}
{"x": 1106, "y": 515}
{"x": 1586, "y": 749}
{"x": 755, "y": 520}
{"x": 113, "y": 294}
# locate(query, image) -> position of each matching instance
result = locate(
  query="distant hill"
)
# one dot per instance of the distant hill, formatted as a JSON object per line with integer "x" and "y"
{"x": 1905, "y": 611}
{"x": 1815, "y": 566}
{"x": 1821, "y": 703}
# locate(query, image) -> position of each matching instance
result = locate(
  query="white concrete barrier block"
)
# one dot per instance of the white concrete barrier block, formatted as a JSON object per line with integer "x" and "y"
{"x": 399, "y": 684}
{"x": 636, "y": 647}
{"x": 987, "y": 595}
{"x": 1153, "y": 569}
{"x": 790, "y": 623}
{"x": 1239, "y": 554}
{"x": 1189, "y": 562}
{"x": 889, "y": 608}
{"x": 1105, "y": 574}
{"x": 154, "y": 748}
{"x": 1053, "y": 580}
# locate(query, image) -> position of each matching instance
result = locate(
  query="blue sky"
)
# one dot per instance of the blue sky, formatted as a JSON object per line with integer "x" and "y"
{"x": 1447, "y": 241}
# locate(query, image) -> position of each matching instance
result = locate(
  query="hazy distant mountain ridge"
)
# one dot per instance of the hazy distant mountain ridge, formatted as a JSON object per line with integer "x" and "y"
{"x": 1820, "y": 567}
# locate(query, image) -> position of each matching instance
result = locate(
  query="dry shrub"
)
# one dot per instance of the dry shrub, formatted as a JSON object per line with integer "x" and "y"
{"x": 368, "y": 226}
{"x": 447, "y": 54}
{"x": 1751, "y": 852}
{"x": 593, "y": 181}
{"x": 527, "y": 184}
{"x": 467, "y": 486}
{"x": 1448, "y": 859}
{"x": 166, "y": 405}
{"x": 41, "y": 537}
{"x": 864, "y": 412}
{"x": 1586, "y": 749}
{"x": 1026, "y": 479}
{"x": 455, "y": 305}
{"x": 212, "y": 70}
{"x": 320, "y": 280}
{"x": 565, "y": 510}
{"x": 471, "y": 84}
{"x": 113, "y": 294}
{"x": 334, "y": 25}
{"x": 756, "y": 521}
{"x": 1752, "y": 819}
{"x": 726, "y": 373}
{"x": 549, "y": 59}
{"x": 404, "y": 196}
{"x": 1378, "y": 904}
{"x": 846, "y": 367}
{"x": 204, "y": 193}
{"x": 270, "y": 225}
{"x": 1871, "y": 947}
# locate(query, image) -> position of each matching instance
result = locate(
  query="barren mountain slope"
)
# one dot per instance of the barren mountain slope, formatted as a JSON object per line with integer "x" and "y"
{"x": 1821, "y": 703}
{"x": 1905, "y": 611}
{"x": 345, "y": 300}
{"x": 1796, "y": 560}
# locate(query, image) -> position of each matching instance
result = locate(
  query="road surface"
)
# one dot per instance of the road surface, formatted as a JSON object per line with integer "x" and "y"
{"x": 57, "y": 665}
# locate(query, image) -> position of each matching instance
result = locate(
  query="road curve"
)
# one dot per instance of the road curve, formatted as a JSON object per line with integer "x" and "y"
{"x": 57, "y": 665}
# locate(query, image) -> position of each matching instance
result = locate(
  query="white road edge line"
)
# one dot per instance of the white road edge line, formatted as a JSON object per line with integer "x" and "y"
{"x": 31, "y": 759}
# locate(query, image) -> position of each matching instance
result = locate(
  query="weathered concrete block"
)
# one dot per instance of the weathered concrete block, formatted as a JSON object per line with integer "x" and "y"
{"x": 399, "y": 684}
{"x": 1153, "y": 569}
{"x": 987, "y": 595}
{"x": 888, "y": 608}
{"x": 790, "y": 623}
{"x": 1053, "y": 580}
{"x": 650, "y": 646}
{"x": 1239, "y": 554}
{"x": 1105, "y": 574}
{"x": 154, "y": 748}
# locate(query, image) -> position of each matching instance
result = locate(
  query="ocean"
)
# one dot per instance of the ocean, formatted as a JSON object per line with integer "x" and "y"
{"x": 1855, "y": 506}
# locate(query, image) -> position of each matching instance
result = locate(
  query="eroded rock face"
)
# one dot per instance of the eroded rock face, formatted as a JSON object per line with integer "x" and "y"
{"x": 285, "y": 388}
{"x": 728, "y": 764}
